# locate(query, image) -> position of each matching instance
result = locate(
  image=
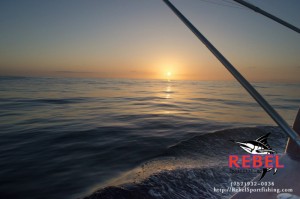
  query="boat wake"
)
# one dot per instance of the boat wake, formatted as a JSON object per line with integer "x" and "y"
{"x": 189, "y": 169}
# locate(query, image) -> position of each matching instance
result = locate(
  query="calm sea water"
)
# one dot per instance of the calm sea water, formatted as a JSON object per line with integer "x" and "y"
{"x": 65, "y": 137}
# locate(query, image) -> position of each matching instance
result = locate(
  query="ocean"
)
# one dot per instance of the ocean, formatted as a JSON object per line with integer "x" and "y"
{"x": 68, "y": 138}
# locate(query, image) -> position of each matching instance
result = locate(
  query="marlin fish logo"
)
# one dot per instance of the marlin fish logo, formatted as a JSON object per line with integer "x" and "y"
{"x": 259, "y": 146}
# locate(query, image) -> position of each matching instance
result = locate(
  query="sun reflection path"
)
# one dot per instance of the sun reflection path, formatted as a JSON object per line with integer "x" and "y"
{"x": 168, "y": 91}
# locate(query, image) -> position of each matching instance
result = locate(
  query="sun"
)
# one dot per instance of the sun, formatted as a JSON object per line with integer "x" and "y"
{"x": 168, "y": 75}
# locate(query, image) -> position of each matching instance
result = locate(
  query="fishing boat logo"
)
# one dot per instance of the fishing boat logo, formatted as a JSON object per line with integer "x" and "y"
{"x": 262, "y": 156}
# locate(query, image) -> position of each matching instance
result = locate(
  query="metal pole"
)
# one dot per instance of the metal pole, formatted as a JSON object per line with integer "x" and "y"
{"x": 251, "y": 90}
{"x": 256, "y": 9}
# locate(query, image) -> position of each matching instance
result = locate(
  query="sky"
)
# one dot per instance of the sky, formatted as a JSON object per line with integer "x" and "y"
{"x": 144, "y": 39}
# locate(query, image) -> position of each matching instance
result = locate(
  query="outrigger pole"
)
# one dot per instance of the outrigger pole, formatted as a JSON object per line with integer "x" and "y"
{"x": 257, "y": 9}
{"x": 251, "y": 90}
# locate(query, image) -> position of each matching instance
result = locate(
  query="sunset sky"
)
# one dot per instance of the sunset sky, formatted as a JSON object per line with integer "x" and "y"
{"x": 144, "y": 39}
